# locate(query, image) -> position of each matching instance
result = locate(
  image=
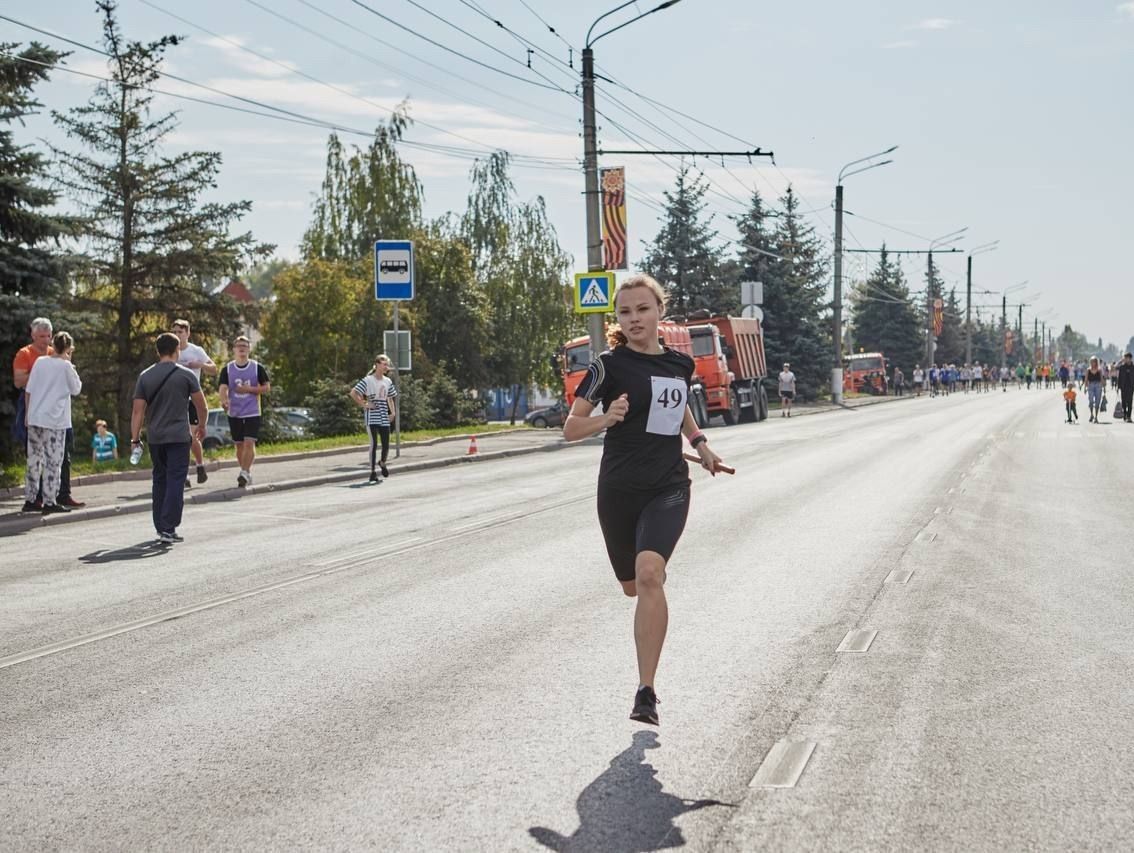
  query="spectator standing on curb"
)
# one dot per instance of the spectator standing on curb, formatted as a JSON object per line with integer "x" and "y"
{"x": 196, "y": 359}
{"x": 918, "y": 379}
{"x": 21, "y": 370}
{"x": 51, "y": 384}
{"x": 375, "y": 392}
{"x": 104, "y": 444}
{"x": 160, "y": 397}
{"x": 787, "y": 390}
{"x": 899, "y": 381}
{"x": 243, "y": 382}
{"x": 1126, "y": 385}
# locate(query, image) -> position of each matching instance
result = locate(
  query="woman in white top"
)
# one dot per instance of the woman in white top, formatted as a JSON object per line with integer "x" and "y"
{"x": 375, "y": 393}
{"x": 52, "y": 383}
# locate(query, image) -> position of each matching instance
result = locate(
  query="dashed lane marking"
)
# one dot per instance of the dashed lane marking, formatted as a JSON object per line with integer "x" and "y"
{"x": 858, "y": 640}
{"x": 783, "y": 765}
{"x": 899, "y": 576}
{"x": 925, "y": 536}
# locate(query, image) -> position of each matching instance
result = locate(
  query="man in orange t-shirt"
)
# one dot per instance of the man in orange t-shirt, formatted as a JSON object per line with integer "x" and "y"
{"x": 21, "y": 368}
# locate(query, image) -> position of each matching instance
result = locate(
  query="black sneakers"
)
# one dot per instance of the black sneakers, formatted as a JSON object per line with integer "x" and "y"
{"x": 385, "y": 471}
{"x": 201, "y": 475}
{"x": 645, "y": 706}
{"x": 50, "y": 509}
{"x": 32, "y": 506}
{"x": 374, "y": 477}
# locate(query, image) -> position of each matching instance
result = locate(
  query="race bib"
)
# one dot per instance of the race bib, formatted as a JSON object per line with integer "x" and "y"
{"x": 667, "y": 405}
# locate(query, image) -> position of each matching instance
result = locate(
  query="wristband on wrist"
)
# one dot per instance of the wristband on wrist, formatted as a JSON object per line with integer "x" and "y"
{"x": 697, "y": 438}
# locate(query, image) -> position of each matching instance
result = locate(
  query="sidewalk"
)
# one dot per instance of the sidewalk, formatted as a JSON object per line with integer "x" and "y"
{"x": 129, "y": 491}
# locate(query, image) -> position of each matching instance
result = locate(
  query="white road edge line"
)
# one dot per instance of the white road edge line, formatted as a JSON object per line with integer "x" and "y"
{"x": 783, "y": 765}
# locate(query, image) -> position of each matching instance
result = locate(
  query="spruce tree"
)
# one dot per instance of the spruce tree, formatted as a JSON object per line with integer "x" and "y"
{"x": 31, "y": 264}
{"x": 796, "y": 319}
{"x": 684, "y": 257}
{"x": 885, "y": 318}
{"x": 951, "y": 343}
{"x": 153, "y": 246}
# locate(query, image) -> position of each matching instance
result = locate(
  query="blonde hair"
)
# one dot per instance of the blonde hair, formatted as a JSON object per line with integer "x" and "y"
{"x": 615, "y": 337}
{"x": 382, "y": 357}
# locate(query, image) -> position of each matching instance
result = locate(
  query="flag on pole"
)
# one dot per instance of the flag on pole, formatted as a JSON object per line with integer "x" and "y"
{"x": 938, "y": 316}
{"x": 1009, "y": 341}
{"x": 613, "y": 182}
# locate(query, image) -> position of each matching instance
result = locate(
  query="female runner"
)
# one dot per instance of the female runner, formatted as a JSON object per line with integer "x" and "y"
{"x": 375, "y": 393}
{"x": 643, "y": 485}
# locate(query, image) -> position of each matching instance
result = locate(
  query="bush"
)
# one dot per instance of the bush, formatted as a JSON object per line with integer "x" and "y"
{"x": 333, "y": 412}
{"x": 272, "y": 427}
{"x": 415, "y": 404}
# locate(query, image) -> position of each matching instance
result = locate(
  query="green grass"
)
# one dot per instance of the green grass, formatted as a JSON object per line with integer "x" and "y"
{"x": 12, "y": 474}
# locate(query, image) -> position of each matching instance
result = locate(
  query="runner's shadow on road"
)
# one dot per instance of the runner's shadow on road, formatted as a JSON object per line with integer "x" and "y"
{"x": 625, "y": 810}
{"x": 141, "y": 551}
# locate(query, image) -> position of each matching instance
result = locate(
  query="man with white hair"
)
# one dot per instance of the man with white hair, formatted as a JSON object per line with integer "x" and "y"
{"x": 41, "y": 332}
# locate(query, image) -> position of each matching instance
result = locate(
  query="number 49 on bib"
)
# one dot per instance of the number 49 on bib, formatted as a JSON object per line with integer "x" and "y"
{"x": 667, "y": 405}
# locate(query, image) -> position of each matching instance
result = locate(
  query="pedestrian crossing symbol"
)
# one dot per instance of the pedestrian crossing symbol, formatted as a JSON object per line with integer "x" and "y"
{"x": 594, "y": 292}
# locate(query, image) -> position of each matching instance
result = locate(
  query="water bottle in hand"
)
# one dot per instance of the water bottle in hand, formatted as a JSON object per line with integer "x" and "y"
{"x": 136, "y": 454}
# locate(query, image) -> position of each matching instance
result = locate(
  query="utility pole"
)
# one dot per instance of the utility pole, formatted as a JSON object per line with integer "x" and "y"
{"x": 1043, "y": 341}
{"x": 1003, "y": 330}
{"x": 837, "y": 336}
{"x": 595, "y": 322}
{"x": 929, "y": 342}
{"x": 969, "y": 312}
{"x": 1035, "y": 338}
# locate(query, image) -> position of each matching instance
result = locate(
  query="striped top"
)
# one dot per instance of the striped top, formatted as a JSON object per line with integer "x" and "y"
{"x": 376, "y": 391}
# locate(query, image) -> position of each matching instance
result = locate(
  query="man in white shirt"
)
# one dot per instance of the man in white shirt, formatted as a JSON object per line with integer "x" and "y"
{"x": 787, "y": 390}
{"x": 196, "y": 359}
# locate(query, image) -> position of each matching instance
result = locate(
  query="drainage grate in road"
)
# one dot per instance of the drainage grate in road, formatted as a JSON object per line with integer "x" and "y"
{"x": 858, "y": 640}
{"x": 783, "y": 765}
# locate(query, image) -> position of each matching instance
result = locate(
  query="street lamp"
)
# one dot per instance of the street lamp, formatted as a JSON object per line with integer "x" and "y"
{"x": 979, "y": 250}
{"x": 590, "y": 157}
{"x": 1004, "y": 319}
{"x": 943, "y": 240}
{"x": 837, "y": 370}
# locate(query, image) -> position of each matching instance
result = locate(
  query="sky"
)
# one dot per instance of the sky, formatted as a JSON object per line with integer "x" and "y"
{"x": 1013, "y": 118}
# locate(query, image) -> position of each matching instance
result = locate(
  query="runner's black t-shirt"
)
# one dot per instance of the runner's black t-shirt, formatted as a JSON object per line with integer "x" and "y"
{"x": 643, "y": 453}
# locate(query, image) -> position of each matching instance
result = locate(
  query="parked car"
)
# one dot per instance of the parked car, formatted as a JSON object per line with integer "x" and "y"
{"x": 551, "y": 416}
{"x": 294, "y": 422}
{"x": 217, "y": 433}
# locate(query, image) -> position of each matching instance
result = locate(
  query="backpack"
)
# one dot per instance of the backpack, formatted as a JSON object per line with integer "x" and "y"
{"x": 1118, "y": 411}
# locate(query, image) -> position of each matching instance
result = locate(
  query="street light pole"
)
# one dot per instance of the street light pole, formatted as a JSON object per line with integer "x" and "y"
{"x": 837, "y": 305}
{"x": 595, "y": 322}
{"x": 944, "y": 240}
{"x": 987, "y": 247}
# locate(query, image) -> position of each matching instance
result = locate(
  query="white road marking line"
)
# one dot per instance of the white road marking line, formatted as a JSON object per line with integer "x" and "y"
{"x": 858, "y": 640}
{"x": 783, "y": 765}
{"x": 899, "y": 576}
{"x": 368, "y": 552}
{"x": 925, "y": 536}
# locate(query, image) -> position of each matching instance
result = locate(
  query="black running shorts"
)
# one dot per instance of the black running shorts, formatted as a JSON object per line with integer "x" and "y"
{"x": 244, "y": 429}
{"x": 193, "y": 414}
{"x": 633, "y": 522}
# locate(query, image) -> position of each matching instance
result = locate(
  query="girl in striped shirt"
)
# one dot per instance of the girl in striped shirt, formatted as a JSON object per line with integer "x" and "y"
{"x": 375, "y": 393}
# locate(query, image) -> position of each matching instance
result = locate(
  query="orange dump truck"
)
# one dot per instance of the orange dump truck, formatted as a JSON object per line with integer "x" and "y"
{"x": 729, "y": 352}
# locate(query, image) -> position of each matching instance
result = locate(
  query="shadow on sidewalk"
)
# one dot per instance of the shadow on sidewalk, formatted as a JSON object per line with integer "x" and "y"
{"x": 141, "y": 551}
{"x": 625, "y": 810}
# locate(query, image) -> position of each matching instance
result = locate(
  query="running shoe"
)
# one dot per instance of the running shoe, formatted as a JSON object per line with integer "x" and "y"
{"x": 374, "y": 477}
{"x": 50, "y": 509}
{"x": 645, "y": 706}
{"x": 32, "y": 506}
{"x": 165, "y": 538}
{"x": 176, "y": 537}
{"x": 242, "y": 479}
{"x": 201, "y": 475}
{"x": 382, "y": 467}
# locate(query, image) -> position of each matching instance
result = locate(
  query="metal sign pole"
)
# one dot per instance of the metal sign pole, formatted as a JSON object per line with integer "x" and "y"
{"x": 397, "y": 373}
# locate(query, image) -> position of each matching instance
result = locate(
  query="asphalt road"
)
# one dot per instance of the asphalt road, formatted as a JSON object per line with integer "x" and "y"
{"x": 446, "y": 662}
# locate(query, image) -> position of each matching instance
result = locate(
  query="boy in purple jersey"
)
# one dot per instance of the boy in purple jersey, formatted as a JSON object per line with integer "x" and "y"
{"x": 242, "y": 383}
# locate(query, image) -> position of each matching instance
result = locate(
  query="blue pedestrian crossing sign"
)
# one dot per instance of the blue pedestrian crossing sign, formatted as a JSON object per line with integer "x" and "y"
{"x": 393, "y": 269}
{"x": 594, "y": 292}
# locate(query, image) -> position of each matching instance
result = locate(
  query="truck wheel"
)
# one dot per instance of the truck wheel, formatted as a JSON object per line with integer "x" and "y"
{"x": 761, "y": 402}
{"x": 731, "y": 415}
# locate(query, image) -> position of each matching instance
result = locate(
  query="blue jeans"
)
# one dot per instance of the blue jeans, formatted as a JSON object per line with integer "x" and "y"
{"x": 1094, "y": 394}
{"x": 171, "y": 465}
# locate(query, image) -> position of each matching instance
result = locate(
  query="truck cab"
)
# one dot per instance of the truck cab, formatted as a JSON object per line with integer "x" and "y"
{"x": 865, "y": 373}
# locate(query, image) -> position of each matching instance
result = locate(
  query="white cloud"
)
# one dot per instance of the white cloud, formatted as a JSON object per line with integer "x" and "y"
{"x": 231, "y": 46}
{"x": 899, "y": 45}
{"x": 934, "y": 24}
{"x": 1126, "y": 8}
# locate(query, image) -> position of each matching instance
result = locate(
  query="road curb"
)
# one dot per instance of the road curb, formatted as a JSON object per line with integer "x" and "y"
{"x": 32, "y": 522}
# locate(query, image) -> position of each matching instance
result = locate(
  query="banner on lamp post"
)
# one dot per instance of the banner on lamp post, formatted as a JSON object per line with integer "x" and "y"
{"x": 613, "y": 183}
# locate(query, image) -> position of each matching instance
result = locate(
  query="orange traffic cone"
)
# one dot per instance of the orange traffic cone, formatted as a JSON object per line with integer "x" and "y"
{"x": 472, "y": 445}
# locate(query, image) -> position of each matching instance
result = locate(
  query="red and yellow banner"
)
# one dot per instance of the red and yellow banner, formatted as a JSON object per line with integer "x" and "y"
{"x": 613, "y": 182}
{"x": 938, "y": 316}
{"x": 1009, "y": 341}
